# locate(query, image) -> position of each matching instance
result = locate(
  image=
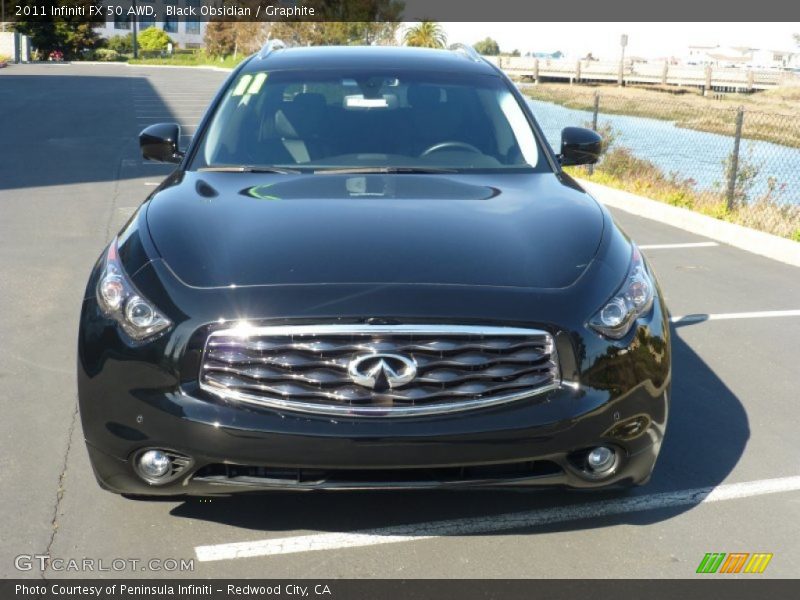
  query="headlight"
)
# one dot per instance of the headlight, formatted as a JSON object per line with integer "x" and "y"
{"x": 120, "y": 300}
{"x": 633, "y": 299}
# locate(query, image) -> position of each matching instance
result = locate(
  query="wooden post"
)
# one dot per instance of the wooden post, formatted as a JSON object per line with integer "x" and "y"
{"x": 665, "y": 73}
{"x": 578, "y": 71}
{"x": 595, "y": 111}
{"x": 751, "y": 80}
{"x": 733, "y": 166}
{"x": 707, "y": 87}
{"x": 536, "y": 71}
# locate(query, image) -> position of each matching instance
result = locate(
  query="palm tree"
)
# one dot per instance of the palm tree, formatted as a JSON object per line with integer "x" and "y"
{"x": 428, "y": 34}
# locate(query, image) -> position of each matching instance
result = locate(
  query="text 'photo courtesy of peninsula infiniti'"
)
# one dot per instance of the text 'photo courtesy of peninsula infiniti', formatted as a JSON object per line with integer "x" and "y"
{"x": 369, "y": 270}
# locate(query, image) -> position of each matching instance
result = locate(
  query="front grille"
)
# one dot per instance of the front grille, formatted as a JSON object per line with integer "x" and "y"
{"x": 321, "y": 368}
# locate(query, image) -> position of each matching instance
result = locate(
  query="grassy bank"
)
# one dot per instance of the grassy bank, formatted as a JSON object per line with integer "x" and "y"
{"x": 190, "y": 59}
{"x": 772, "y": 116}
{"x": 619, "y": 168}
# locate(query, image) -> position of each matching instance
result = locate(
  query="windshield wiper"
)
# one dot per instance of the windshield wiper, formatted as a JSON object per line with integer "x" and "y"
{"x": 252, "y": 169}
{"x": 381, "y": 170}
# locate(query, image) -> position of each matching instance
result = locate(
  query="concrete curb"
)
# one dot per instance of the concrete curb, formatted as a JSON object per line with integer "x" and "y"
{"x": 136, "y": 66}
{"x": 757, "y": 242}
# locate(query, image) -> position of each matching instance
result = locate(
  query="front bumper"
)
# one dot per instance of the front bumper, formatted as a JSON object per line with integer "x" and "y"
{"x": 130, "y": 405}
{"x": 491, "y": 448}
{"x": 137, "y": 397}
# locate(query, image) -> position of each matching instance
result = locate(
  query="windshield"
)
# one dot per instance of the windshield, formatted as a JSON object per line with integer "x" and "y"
{"x": 361, "y": 120}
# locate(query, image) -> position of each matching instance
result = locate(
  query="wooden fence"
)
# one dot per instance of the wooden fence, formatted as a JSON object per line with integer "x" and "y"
{"x": 740, "y": 79}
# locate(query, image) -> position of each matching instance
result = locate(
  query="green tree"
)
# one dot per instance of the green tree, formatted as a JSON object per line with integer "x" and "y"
{"x": 79, "y": 35}
{"x": 220, "y": 38}
{"x": 74, "y": 36}
{"x": 153, "y": 39}
{"x": 487, "y": 47}
{"x": 343, "y": 23}
{"x": 235, "y": 37}
{"x": 122, "y": 44}
{"x": 366, "y": 22}
{"x": 427, "y": 34}
{"x": 315, "y": 33}
{"x": 346, "y": 22}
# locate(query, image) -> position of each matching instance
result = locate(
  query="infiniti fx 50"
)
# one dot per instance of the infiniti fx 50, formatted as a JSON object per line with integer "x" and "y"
{"x": 369, "y": 270}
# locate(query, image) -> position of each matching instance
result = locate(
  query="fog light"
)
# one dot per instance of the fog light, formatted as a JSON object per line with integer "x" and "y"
{"x": 601, "y": 459}
{"x": 154, "y": 464}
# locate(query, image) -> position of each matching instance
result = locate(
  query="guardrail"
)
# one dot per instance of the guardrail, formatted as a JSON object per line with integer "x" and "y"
{"x": 708, "y": 78}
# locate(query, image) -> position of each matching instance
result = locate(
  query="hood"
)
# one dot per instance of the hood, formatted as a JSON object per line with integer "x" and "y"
{"x": 517, "y": 230}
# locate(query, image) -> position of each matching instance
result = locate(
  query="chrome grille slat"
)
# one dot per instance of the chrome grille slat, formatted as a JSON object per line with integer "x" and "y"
{"x": 327, "y": 377}
{"x": 305, "y": 368}
{"x": 360, "y": 394}
{"x": 442, "y": 346}
{"x": 296, "y": 359}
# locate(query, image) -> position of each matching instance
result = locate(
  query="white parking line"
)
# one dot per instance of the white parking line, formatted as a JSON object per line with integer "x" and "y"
{"x": 497, "y": 523}
{"x": 173, "y": 117}
{"x": 183, "y": 111}
{"x": 140, "y": 104}
{"x": 764, "y": 314}
{"x": 150, "y": 92}
{"x": 671, "y": 246}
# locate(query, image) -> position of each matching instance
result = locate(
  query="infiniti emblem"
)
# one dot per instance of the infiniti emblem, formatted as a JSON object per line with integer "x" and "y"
{"x": 382, "y": 371}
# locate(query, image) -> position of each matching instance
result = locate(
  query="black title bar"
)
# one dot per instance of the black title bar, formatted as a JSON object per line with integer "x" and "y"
{"x": 708, "y": 587}
{"x": 404, "y": 10}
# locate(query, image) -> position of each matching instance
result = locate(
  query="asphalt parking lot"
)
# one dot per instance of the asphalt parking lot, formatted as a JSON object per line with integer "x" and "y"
{"x": 70, "y": 175}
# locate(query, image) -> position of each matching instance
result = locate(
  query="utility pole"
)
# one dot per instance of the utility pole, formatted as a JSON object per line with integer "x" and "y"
{"x": 135, "y": 22}
{"x": 623, "y": 41}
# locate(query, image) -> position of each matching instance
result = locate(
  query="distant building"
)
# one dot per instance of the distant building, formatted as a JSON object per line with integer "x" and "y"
{"x": 775, "y": 58}
{"x": 718, "y": 56}
{"x": 742, "y": 56}
{"x": 185, "y": 34}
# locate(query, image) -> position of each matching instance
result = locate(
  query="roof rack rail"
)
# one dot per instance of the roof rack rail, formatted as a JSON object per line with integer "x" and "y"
{"x": 467, "y": 51}
{"x": 270, "y": 47}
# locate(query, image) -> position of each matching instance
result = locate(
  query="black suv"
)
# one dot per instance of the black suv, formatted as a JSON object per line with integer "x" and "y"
{"x": 369, "y": 270}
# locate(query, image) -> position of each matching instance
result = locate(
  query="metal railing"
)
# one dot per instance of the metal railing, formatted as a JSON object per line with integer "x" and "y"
{"x": 707, "y": 77}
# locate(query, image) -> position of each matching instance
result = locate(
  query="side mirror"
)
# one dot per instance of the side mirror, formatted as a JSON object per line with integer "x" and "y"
{"x": 580, "y": 146}
{"x": 160, "y": 142}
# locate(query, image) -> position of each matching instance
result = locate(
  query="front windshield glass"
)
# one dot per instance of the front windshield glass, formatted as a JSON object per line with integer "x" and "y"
{"x": 317, "y": 120}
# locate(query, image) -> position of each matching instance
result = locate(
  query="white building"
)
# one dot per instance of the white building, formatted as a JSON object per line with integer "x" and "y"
{"x": 742, "y": 56}
{"x": 775, "y": 58}
{"x": 185, "y": 34}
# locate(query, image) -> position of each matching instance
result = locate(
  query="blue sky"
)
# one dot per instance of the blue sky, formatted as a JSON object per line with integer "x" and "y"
{"x": 645, "y": 39}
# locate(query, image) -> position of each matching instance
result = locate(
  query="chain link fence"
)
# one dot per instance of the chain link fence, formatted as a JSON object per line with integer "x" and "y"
{"x": 732, "y": 163}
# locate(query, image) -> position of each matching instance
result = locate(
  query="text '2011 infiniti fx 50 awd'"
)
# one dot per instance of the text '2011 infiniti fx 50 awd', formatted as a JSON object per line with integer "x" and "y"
{"x": 369, "y": 270}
